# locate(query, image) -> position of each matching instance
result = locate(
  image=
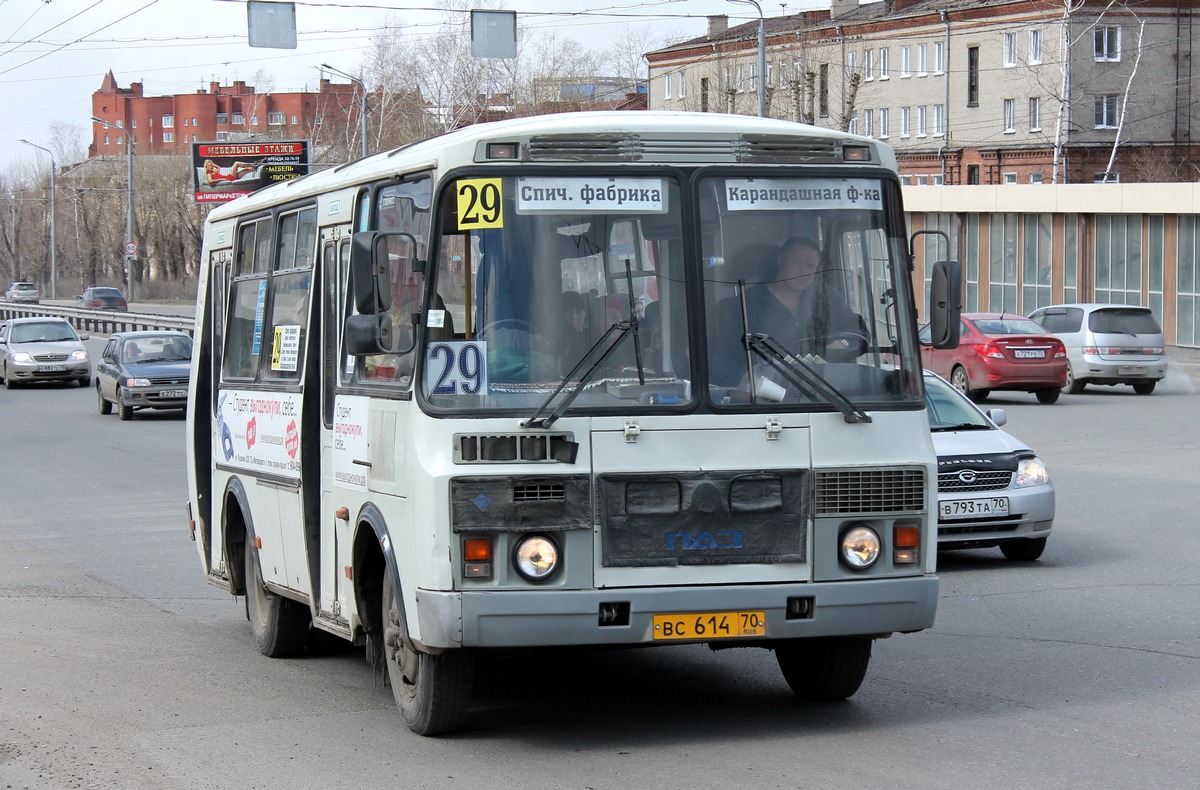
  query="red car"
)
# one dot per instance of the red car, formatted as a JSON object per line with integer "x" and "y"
{"x": 1000, "y": 351}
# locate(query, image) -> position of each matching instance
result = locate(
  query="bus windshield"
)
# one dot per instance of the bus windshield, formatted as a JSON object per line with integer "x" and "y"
{"x": 576, "y": 285}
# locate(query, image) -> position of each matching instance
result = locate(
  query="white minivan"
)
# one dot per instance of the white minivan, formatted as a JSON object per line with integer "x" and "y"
{"x": 1108, "y": 344}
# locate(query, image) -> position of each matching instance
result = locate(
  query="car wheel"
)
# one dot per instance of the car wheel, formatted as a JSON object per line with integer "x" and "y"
{"x": 433, "y": 692}
{"x": 1144, "y": 387}
{"x": 280, "y": 625}
{"x": 10, "y": 383}
{"x": 1049, "y": 395}
{"x": 85, "y": 383}
{"x": 959, "y": 380}
{"x": 2, "y": 381}
{"x": 1073, "y": 387}
{"x": 824, "y": 668}
{"x": 126, "y": 412}
{"x": 104, "y": 405}
{"x": 1023, "y": 550}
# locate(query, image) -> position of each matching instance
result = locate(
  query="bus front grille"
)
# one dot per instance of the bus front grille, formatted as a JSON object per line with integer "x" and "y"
{"x": 841, "y": 492}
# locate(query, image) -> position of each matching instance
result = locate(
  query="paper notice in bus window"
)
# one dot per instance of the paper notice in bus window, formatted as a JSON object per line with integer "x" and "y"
{"x": 259, "y": 311}
{"x": 802, "y": 194}
{"x": 435, "y": 318}
{"x": 480, "y": 203}
{"x": 591, "y": 195}
{"x": 285, "y": 351}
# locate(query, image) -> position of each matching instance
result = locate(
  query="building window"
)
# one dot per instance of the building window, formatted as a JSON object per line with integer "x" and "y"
{"x": 1035, "y": 178}
{"x": 120, "y": 140}
{"x": 869, "y": 64}
{"x": 939, "y": 120}
{"x": 770, "y": 76}
{"x": 133, "y": 123}
{"x": 1107, "y": 178}
{"x": 972, "y": 76}
{"x": 922, "y": 114}
{"x": 938, "y": 179}
{"x": 221, "y": 136}
{"x": 276, "y": 118}
{"x": 782, "y": 74}
{"x": 1106, "y": 111}
{"x": 1035, "y": 114}
{"x": 1010, "y": 116}
{"x": 222, "y": 119}
{"x": 905, "y": 121}
{"x": 254, "y": 120}
{"x": 168, "y": 121}
{"x": 922, "y": 181}
{"x": 168, "y": 137}
{"x": 106, "y": 139}
{"x": 906, "y": 61}
{"x": 1010, "y": 50}
{"x": 682, "y": 89}
{"x": 823, "y": 89}
{"x": 738, "y": 82}
{"x": 922, "y": 59}
{"x": 1010, "y": 178}
{"x": 185, "y": 123}
{"x": 667, "y": 83}
{"x": 939, "y": 57}
{"x": 754, "y": 77}
{"x": 854, "y": 124}
{"x": 704, "y": 94}
{"x": 1037, "y": 263}
{"x": 973, "y": 175}
{"x": 883, "y": 64}
{"x": 1108, "y": 43}
{"x": 884, "y": 114}
{"x": 869, "y": 123}
{"x": 195, "y": 121}
{"x": 238, "y": 119}
{"x": 294, "y": 120}
{"x": 852, "y": 63}
{"x": 1035, "y": 47}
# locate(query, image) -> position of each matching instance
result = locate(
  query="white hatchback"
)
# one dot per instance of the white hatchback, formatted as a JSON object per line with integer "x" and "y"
{"x": 992, "y": 489}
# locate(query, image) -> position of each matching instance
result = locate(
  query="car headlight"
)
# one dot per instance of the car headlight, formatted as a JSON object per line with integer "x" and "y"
{"x": 79, "y": 356}
{"x": 860, "y": 547}
{"x": 536, "y": 557}
{"x": 22, "y": 357}
{"x": 1031, "y": 472}
{"x": 137, "y": 382}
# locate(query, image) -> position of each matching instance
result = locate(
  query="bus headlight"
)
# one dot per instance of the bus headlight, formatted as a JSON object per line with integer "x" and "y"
{"x": 860, "y": 547}
{"x": 536, "y": 557}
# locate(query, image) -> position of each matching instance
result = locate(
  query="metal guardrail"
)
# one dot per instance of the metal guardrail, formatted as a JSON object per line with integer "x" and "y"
{"x": 102, "y": 322}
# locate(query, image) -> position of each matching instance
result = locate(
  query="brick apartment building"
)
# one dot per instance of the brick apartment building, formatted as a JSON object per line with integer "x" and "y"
{"x": 968, "y": 91}
{"x": 170, "y": 124}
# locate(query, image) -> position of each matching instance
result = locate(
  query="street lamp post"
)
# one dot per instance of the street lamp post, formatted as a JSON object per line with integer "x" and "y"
{"x": 762, "y": 56}
{"x": 362, "y": 109}
{"x": 129, "y": 257}
{"x": 53, "y": 215}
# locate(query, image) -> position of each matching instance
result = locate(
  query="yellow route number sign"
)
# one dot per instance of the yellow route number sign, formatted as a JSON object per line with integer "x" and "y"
{"x": 479, "y": 204}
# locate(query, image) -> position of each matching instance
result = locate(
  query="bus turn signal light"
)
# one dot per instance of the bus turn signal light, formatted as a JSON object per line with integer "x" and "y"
{"x": 906, "y": 542}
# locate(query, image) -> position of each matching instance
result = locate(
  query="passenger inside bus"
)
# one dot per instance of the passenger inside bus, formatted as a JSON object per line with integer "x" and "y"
{"x": 797, "y": 305}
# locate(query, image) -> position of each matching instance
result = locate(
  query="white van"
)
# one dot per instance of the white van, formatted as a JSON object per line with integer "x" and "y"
{"x": 1108, "y": 344}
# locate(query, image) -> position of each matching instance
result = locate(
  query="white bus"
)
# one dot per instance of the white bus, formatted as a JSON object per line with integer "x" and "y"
{"x": 513, "y": 387}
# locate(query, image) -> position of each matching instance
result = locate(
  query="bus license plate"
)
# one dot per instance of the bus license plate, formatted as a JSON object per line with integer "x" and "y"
{"x": 710, "y": 625}
{"x": 972, "y": 508}
{"x": 1029, "y": 353}
{"x": 173, "y": 394}
{"x": 52, "y": 369}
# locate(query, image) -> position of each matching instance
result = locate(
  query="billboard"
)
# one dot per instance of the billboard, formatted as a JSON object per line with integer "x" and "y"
{"x": 226, "y": 170}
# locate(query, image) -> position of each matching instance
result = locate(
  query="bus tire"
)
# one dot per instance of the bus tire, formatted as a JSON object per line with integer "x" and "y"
{"x": 821, "y": 669}
{"x": 433, "y": 691}
{"x": 279, "y": 625}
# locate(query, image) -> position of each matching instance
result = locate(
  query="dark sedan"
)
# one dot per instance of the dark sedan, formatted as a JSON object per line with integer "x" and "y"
{"x": 143, "y": 370}
{"x": 100, "y": 298}
{"x": 1000, "y": 351}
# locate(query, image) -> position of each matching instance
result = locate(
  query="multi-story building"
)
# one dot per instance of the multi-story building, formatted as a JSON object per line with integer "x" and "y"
{"x": 170, "y": 124}
{"x": 968, "y": 91}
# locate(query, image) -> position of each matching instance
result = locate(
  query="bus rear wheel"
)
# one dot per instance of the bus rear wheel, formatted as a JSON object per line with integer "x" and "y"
{"x": 822, "y": 669}
{"x": 280, "y": 625}
{"x": 433, "y": 691}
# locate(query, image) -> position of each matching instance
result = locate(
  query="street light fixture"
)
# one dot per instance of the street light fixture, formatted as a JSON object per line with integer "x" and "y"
{"x": 53, "y": 215}
{"x": 129, "y": 257}
{"x": 362, "y": 112}
{"x": 762, "y": 56}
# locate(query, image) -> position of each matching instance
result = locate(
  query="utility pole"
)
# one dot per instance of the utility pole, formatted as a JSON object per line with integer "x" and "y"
{"x": 762, "y": 56}
{"x": 130, "y": 250}
{"x": 362, "y": 110}
{"x": 53, "y": 213}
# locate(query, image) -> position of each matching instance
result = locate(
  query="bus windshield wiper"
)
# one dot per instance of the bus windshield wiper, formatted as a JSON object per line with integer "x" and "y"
{"x": 621, "y": 328}
{"x": 962, "y": 426}
{"x": 801, "y": 374}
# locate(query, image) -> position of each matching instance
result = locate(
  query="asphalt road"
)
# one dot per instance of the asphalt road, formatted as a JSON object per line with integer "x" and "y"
{"x": 121, "y": 668}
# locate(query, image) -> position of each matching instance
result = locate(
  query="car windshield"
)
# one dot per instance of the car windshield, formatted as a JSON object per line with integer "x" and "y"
{"x": 157, "y": 348}
{"x": 43, "y": 332}
{"x": 1124, "y": 321}
{"x": 1009, "y": 326}
{"x": 948, "y": 409}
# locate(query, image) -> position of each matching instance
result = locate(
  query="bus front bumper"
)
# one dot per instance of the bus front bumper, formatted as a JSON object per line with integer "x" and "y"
{"x": 545, "y": 618}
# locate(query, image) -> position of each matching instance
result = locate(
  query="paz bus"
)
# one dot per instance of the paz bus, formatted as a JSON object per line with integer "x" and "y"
{"x": 507, "y": 388}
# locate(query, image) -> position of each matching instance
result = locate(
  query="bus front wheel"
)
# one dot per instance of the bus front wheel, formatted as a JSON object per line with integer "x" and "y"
{"x": 433, "y": 691}
{"x": 830, "y": 668}
{"x": 280, "y": 625}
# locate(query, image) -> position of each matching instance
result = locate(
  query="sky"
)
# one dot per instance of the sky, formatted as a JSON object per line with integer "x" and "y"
{"x": 55, "y": 53}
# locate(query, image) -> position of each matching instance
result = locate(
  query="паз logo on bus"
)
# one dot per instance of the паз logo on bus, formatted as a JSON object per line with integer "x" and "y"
{"x": 291, "y": 441}
{"x": 251, "y": 432}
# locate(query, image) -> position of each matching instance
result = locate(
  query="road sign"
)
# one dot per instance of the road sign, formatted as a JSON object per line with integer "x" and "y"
{"x": 131, "y": 248}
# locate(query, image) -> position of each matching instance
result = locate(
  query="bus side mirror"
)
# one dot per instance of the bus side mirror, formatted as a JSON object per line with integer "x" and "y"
{"x": 368, "y": 334}
{"x": 370, "y": 271}
{"x": 945, "y": 303}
